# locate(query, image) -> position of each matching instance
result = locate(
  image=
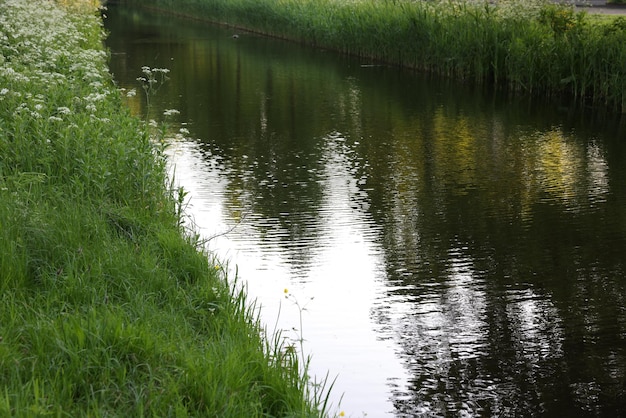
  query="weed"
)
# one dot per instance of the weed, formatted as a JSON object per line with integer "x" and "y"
{"x": 537, "y": 47}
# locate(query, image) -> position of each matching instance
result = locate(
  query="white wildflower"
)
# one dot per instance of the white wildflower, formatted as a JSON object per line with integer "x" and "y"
{"x": 95, "y": 97}
{"x": 170, "y": 112}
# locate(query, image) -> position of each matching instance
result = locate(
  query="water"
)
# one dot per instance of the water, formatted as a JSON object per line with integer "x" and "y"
{"x": 445, "y": 252}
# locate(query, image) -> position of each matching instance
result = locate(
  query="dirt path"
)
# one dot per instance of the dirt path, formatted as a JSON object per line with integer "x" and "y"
{"x": 600, "y": 6}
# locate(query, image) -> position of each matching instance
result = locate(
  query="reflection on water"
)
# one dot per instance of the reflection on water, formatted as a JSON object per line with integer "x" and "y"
{"x": 446, "y": 253}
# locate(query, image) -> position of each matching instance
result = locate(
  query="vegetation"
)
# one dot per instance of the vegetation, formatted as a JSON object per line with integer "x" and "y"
{"x": 536, "y": 47}
{"x": 108, "y": 305}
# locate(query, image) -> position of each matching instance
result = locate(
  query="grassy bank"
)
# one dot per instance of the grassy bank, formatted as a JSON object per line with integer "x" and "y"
{"x": 531, "y": 46}
{"x": 107, "y": 305}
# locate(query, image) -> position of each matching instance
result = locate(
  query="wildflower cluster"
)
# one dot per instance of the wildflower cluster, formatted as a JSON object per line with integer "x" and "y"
{"x": 42, "y": 50}
{"x": 520, "y": 9}
{"x": 152, "y": 80}
{"x": 57, "y": 99}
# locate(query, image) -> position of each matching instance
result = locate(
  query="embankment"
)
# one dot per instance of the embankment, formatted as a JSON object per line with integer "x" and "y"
{"x": 535, "y": 47}
{"x": 108, "y": 305}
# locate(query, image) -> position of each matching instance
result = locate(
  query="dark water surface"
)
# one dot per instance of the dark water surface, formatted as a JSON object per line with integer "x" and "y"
{"x": 446, "y": 252}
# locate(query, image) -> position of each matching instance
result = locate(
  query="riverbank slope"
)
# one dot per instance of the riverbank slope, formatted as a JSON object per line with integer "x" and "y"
{"x": 538, "y": 47}
{"x": 108, "y": 305}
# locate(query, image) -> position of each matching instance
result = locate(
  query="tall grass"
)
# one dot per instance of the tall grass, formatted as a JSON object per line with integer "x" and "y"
{"x": 108, "y": 305}
{"x": 532, "y": 46}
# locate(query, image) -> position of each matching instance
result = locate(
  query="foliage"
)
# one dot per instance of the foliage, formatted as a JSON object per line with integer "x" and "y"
{"x": 537, "y": 47}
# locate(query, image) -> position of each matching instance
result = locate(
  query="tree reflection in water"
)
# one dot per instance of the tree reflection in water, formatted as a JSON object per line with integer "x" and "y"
{"x": 465, "y": 253}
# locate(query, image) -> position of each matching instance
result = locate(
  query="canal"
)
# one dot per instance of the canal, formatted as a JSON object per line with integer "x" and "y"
{"x": 438, "y": 250}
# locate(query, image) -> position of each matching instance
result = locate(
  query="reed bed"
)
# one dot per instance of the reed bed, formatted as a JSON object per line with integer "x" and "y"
{"x": 108, "y": 304}
{"x": 536, "y": 47}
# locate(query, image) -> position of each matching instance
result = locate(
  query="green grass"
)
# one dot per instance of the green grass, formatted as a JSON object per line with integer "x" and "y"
{"x": 535, "y": 47}
{"x": 108, "y": 304}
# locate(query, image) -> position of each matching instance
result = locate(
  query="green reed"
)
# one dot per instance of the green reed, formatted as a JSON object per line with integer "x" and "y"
{"x": 109, "y": 306}
{"x": 536, "y": 47}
